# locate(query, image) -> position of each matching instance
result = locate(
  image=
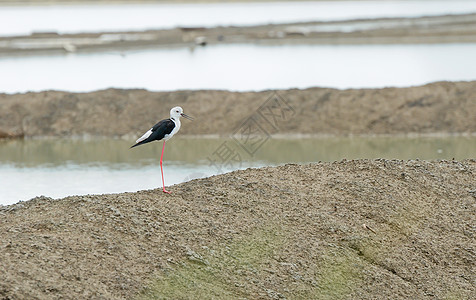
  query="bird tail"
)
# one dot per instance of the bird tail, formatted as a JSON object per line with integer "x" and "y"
{"x": 138, "y": 144}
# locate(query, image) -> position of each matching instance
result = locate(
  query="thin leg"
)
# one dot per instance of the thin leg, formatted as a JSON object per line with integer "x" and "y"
{"x": 162, "y": 170}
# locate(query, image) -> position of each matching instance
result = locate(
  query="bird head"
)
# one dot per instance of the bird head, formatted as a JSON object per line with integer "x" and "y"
{"x": 177, "y": 112}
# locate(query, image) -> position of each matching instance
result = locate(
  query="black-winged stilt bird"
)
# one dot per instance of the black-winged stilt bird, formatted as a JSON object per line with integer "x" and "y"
{"x": 165, "y": 130}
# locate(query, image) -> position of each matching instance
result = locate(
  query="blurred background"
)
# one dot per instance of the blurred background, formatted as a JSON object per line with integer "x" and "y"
{"x": 236, "y": 46}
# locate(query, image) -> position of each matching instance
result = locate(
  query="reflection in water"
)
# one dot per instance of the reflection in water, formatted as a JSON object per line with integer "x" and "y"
{"x": 58, "y": 168}
{"x": 115, "y": 153}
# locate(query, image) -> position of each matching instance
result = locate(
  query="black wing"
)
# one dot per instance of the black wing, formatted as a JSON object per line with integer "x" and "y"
{"x": 157, "y": 132}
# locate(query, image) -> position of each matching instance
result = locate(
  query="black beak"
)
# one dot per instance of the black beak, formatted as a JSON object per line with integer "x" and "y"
{"x": 187, "y": 117}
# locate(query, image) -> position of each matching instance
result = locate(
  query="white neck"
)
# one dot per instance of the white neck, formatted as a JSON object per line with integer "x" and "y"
{"x": 176, "y": 128}
{"x": 176, "y": 121}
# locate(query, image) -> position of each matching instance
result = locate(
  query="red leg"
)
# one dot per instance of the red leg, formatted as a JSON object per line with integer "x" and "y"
{"x": 162, "y": 170}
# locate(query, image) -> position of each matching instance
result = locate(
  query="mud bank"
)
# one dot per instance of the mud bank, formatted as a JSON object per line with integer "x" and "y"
{"x": 437, "y": 108}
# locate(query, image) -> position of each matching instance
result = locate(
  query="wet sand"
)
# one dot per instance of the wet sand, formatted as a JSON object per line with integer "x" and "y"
{"x": 363, "y": 229}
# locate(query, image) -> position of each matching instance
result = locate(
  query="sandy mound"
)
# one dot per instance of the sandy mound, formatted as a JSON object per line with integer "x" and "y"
{"x": 347, "y": 230}
{"x": 443, "y": 107}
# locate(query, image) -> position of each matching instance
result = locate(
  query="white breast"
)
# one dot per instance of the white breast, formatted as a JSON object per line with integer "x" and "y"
{"x": 174, "y": 131}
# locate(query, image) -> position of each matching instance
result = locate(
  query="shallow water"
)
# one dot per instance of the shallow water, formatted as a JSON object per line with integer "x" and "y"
{"x": 59, "y": 168}
{"x": 17, "y": 20}
{"x": 243, "y": 68}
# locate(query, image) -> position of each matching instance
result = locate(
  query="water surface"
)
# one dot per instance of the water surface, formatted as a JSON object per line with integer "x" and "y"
{"x": 59, "y": 168}
{"x": 242, "y": 67}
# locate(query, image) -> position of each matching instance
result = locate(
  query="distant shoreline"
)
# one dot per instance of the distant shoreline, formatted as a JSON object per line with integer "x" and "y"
{"x": 419, "y": 30}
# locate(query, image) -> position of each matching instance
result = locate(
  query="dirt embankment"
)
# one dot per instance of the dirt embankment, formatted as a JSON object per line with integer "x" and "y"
{"x": 376, "y": 229}
{"x": 442, "y": 107}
